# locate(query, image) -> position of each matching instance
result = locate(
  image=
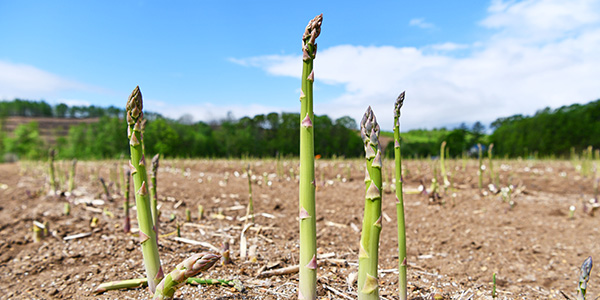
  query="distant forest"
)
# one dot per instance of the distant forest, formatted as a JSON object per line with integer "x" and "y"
{"x": 549, "y": 132}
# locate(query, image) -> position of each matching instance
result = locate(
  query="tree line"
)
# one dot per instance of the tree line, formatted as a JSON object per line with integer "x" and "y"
{"x": 550, "y": 132}
{"x": 260, "y": 136}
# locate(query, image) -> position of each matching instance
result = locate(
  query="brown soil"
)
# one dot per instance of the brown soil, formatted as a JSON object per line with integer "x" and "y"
{"x": 454, "y": 244}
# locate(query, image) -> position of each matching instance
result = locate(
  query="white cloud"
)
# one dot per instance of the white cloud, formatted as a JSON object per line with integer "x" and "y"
{"x": 420, "y": 22}
{"x": 28, "y": 82}
{"x": 541, "y": 53}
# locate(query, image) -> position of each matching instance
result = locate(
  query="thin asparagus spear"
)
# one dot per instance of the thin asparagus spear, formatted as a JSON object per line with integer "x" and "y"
{"x": 127, "y": 222}
{"x": 188, "y": 268}
{"x": 250, "y": 208}
{"x": 402, "y": 290}
{"x": 51, "y": 155}
{"x": 72, "y": 176}
{"x": 153, "y": 194}
{"x": 368, "y": 286}
{"x": 308, "y": 226}
{"x": 141, "y": 282}
{"x": 140, "y": 182}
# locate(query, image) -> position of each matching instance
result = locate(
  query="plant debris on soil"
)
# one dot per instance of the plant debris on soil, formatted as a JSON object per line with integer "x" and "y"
{"x": 455, "y": 243}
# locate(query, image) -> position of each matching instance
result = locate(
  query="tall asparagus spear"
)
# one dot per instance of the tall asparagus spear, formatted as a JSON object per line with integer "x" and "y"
{"x": 140, "y": 182}
{"x": 250, "y": 208}
{"x": 368, "y": 286}
{"x": 153, "y": 194}
{"x": 400, "y": 204}
{"x": 187, "y": 268}
{"x": 308, "y": 226}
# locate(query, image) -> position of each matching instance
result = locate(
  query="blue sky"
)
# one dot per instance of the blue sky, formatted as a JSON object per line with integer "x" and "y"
{"x": 457, "y": 60}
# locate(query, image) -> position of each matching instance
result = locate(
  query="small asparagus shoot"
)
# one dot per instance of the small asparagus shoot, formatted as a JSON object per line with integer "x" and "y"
{"x": 308, "y": 227}
{"x": 184, "y": 270}
{"x": 443, "y": 165}
{"x": 402, "y": 283}
{"x": 368, "y": 257}
{"x": 584, "y": 277}
{"x": 147, "y": 231}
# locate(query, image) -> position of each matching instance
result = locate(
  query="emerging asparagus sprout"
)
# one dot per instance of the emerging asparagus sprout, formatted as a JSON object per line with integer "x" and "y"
{"x": 584, "y": 277}
{"x": 402, "y": 283}
{"x": 443, "y": 165}
{"x": 308, "y": 226}
{"x": 147, "y": 231}
{"x": 184, "y": 270}
{"x": 480, "y": 168}
{"x": 368, "y": 286}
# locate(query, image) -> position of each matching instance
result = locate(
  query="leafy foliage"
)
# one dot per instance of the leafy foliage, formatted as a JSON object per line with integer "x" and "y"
{"x": 548, "y": 132}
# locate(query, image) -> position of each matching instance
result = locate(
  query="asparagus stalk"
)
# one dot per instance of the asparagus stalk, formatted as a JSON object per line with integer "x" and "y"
{"x": 51, "y": 155}
{"x": 121, "y": 284}
{"x": 480, "y": 168}
{"x": 308, "y": 226}
{"x": 127, "y": 222}
{"x": 443, "y": 164}
{"x": 184, "y": 270}
{"x": 72, "y": 176}
{"x": 402, "y": 288}
{"x": 147, "y": 232}
{"x": 153, "y": 194}
{"x": 141, "y": 282}
{"x": 368, "y": 286}
{"x": 250, "y": 208}
{"x": 584, "y": 277}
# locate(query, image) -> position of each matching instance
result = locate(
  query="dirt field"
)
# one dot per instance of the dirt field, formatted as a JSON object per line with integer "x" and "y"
{"x": 454, "y": 244}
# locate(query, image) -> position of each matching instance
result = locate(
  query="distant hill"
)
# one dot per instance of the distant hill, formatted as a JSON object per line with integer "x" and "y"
{"x": 49, "y": 128}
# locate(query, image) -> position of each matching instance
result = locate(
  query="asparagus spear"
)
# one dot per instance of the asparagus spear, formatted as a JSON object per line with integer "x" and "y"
{"x": 250, "y": 208}
{"x": 153, "y": 194}
{"x": 72, "y": 176}
{"x": 368, "y": 286}
{"x": 51, "y": 155}
{"x": 584, "y": 276}
{"x": 127, "y": 224}
{"x": 400, "y": 202}
{"x": 308, "y": 226}
{"x": 188, "y": 268}
{"x": 140, "y": 182}
{"x": 141, "y": 282}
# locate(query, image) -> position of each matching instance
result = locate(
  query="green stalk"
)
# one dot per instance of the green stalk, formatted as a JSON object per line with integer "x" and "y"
{"x": 584, "y": 277}
{"x": 250, "y": 208}
{"x": 147, "y": 231}
{"x": 494, "y": 293}
{"x": 480, "y": 169}
{"x": 402, "y": 288}
{"x": 308, "y": 226}
{"x": 490, "y": 158}
{"x": 443, "y": 164}
{"x": 126, "y": 186}
{"x": 72, "y": 176}
{"x": 184, "y": 270}
{"x": 153, "y": 194}
{"x": 141, "y": 282}
{"x": 51, "y": 155}
{"x": 368, "y": 286}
